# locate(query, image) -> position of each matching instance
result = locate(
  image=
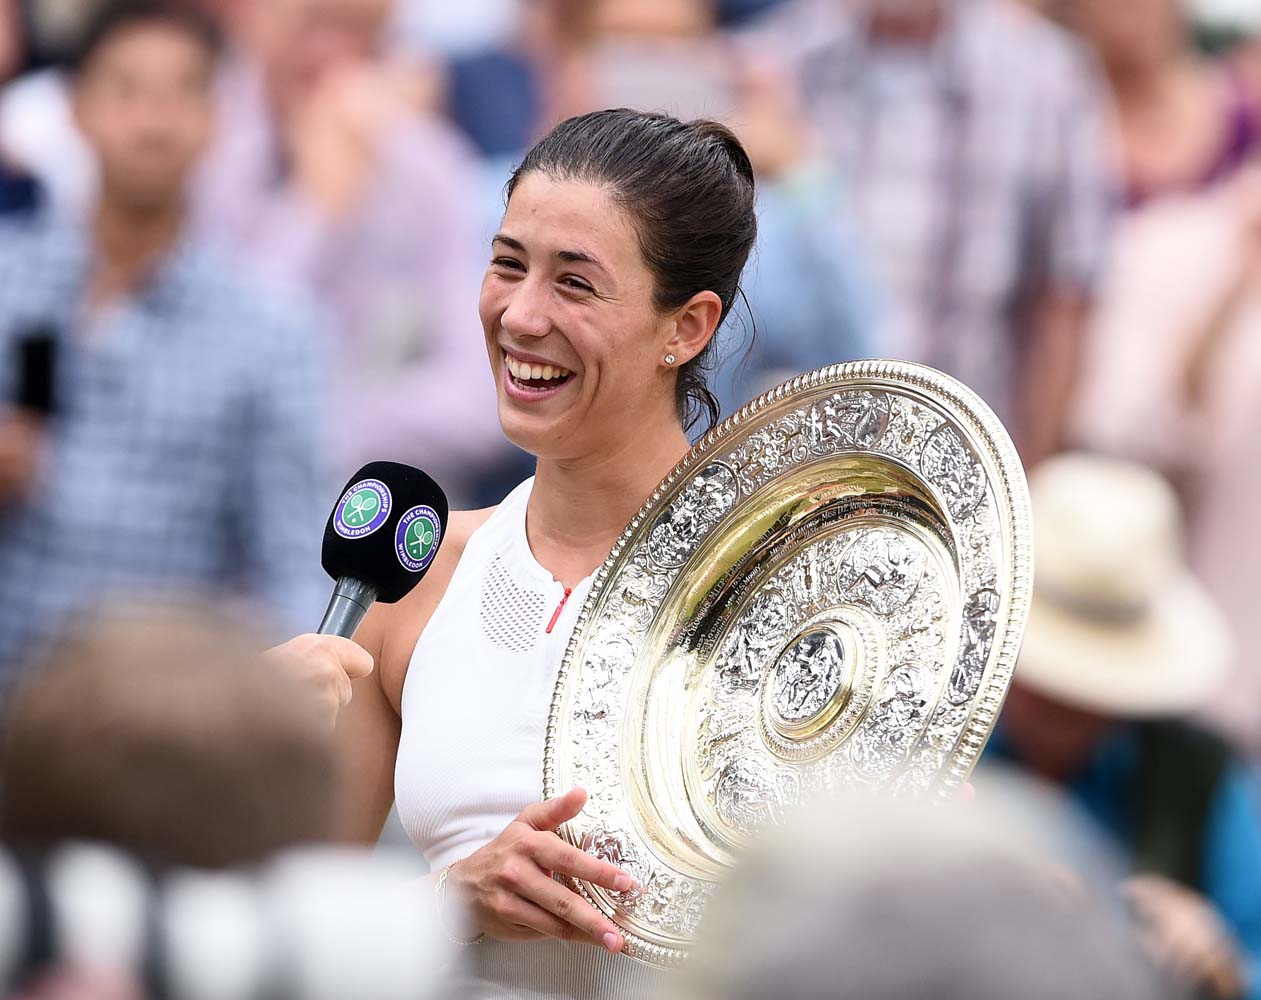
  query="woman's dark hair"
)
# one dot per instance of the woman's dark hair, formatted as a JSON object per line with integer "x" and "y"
{"x": 689, "y": 188}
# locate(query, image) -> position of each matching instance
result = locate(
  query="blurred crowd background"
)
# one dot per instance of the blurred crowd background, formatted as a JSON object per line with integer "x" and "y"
{"x": 240, "y": 255}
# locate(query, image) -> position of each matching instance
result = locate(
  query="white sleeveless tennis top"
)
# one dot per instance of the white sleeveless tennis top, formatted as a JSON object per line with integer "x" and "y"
{"x": 470, "y": 757}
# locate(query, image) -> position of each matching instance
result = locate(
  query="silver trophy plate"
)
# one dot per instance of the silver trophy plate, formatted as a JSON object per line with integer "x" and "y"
{"x": 828, "y": 591}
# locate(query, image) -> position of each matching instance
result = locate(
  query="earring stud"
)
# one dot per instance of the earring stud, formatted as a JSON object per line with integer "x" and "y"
{"x": 669, "y": 359}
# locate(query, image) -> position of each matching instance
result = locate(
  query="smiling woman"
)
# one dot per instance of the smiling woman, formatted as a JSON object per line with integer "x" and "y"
{"x": 693, "y": 226}
{"x": 619, "y": 255}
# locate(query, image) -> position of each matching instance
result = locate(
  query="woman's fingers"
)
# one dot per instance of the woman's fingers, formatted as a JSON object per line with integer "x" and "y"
{"x": 555, "y": 855}
{"x": 551, "y": 813}
{"x": 534, "y": 921}
{"x": 509, "y": 883}
{"x": 571, "y": 909}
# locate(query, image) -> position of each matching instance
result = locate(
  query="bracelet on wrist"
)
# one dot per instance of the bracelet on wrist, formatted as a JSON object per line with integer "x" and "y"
{"x": 440, "y": 895}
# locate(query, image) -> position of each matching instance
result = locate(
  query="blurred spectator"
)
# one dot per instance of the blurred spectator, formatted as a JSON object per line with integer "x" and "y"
{"x": 1173, "y": 378}
{"x": 327, "y": 173}
{"x": 505, "y": 95}
{"x": 181, "y": 451}
{"x": 871, "y": 900}
{"x": 1184, "y": 121}
{"x": 1173, "y": 364}
{"x": 19, "y": 191}
{"x": 807, "y": 290}
{"x": 11, "y": 41}
{"x": 972, "y": 134}
{"x": 37, "y": 130}
{"x": 504, "y": 69}
{"x": 438, "y": 26}
{"x": 1122, "y": 644}
{"x": 163, "y": 733}
{"x": 37, "y": 127}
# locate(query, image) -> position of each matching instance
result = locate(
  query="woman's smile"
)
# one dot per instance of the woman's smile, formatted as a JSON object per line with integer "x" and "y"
{"x": 531, "y": 379}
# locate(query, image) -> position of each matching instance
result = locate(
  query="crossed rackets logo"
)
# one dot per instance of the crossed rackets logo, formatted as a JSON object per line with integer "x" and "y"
{"x": 361, "y": 508}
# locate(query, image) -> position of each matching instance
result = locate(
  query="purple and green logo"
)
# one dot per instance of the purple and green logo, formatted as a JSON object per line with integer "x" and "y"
{"x": 362, "y": 509}
{"x": 416, "y": 537}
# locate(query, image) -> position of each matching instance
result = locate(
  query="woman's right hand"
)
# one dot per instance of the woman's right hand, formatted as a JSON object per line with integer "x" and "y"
{"x": 325, "y": 664}
{"x": 508, "y": 889}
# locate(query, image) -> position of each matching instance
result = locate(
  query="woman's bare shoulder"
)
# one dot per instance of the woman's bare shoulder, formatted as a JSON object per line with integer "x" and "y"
{"x": 462, "y": 524}
{"x": 399, "y": 625}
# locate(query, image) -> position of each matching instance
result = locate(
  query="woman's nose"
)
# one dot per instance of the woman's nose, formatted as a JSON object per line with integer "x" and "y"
{"x": 526, "y": 314}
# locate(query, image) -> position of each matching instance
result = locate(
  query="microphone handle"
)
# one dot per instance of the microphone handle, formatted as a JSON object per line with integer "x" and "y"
{"x": 350, "y": 602}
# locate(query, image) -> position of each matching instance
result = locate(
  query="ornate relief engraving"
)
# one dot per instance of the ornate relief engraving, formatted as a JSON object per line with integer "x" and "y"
{"x": 808, "y": 675}
{"x": 749, "y": 643}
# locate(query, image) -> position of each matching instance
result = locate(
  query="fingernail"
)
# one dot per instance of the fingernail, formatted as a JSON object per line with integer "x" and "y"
{"x": 622, "y": 882}
{"x": 611, "y": 941}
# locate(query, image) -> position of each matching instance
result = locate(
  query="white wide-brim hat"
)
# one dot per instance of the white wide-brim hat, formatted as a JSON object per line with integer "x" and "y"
{"x": 1118, "y": 624}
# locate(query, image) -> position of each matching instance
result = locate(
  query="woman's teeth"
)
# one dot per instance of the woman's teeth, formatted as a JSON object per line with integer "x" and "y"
{"x": 526, "y": 372}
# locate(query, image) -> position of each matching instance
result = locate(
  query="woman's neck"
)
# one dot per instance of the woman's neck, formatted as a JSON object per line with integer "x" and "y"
{"x": 578, "y": 507}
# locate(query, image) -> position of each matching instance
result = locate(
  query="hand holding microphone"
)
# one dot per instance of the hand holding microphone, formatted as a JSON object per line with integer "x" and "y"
{"x": 24, "y": 418}
{"x": 380, "y": 540}
{"x": 325, "y": 664}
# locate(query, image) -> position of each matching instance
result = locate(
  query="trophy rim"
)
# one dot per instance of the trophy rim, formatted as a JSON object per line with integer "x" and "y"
{"x": 1010, "y": 488}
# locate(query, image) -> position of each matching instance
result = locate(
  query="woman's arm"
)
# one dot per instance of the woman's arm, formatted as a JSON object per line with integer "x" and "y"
{"x": 368, "y": 728}
{"x": 367, "y": 740}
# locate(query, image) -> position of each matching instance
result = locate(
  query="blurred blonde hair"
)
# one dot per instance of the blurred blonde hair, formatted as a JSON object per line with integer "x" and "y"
{"x": 163, "y": 732}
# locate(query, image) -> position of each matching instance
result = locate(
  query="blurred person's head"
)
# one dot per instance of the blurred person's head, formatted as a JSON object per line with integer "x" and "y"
{"x": 11, "y": 48}
{"x": 903, "y": 21}
{"x": 1133, "y": 36}
{"x": 877, "y": 899}
{"x": 143, "y": 99}
{"x": 164, "y": 733}
{"x": 658, "y": 18}
{"x": 1119, "y": 628}
{"x": 301, "y": 42}
{"x": 662, "y": 55}
{"x": 619, "y": 255}
{"x": 904, "y": 8}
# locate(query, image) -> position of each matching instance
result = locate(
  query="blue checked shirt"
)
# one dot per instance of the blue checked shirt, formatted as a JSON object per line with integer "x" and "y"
{"x": 184, "y": 462}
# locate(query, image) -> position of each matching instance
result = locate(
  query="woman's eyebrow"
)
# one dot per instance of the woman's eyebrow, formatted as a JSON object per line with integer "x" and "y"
{"x": 568, "y": 256}
{"x": 579, "y": 256}
{"x": 508, "y": 241}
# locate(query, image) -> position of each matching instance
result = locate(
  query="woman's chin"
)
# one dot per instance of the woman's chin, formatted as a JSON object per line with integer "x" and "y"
{"x": 532, "y": 433}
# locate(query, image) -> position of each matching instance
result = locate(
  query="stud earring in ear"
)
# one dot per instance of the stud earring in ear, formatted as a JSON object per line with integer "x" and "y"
{"x": 669, "y": 359}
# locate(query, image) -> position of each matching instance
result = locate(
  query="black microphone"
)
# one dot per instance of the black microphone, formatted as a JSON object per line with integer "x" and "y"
{"x": 379, "y": 541}
{"x": 37, "y": 370}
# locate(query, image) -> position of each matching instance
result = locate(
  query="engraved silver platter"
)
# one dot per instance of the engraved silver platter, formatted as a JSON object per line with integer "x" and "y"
{"x": 830, "y": 589}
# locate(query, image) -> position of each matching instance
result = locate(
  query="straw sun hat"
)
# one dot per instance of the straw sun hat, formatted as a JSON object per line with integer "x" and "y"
{"x": 1118, "y": 625}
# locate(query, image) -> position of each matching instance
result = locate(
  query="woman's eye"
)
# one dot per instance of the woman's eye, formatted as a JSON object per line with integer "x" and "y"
{"x": 577, "y": 284}
{"x": 508, "y": 263}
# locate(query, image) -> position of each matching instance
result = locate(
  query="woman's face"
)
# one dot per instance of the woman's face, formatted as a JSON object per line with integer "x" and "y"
{"x": 574, "y": 340}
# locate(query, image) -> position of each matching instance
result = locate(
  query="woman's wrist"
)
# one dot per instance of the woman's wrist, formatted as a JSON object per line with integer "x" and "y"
{"x": 440, "y": 898}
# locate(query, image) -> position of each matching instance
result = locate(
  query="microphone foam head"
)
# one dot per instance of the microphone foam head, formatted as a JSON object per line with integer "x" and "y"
{"x": 385, "y": 529}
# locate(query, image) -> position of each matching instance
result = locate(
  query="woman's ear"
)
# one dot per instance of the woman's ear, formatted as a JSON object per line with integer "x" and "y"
{"x": 694, "y": 325}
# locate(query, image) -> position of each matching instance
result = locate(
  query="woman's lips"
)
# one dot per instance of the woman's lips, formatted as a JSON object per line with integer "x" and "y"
{"x": 531, "y": 382}
{"x": 528, "y": 394}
